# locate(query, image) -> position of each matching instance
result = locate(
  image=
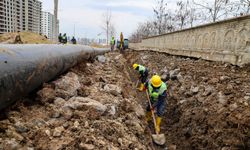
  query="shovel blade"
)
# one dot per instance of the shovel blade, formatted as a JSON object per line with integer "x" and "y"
{"x": 159, "y": 139}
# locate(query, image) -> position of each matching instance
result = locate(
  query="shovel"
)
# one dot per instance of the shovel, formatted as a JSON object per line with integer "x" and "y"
{"x": 136, "y": 85}
{"x": 157, "y": 138}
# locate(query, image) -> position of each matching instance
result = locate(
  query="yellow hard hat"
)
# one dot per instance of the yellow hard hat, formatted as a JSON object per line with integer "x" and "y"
{"x": 156, "y": 81}
{"x": 135, "y": 66}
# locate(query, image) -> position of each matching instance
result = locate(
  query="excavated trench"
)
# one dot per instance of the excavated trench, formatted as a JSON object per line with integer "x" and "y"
{"x": 208, "y": 102}
{"x": 96, "y": 106}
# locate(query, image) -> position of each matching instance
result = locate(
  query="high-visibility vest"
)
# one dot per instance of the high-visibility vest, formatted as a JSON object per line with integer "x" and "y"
{"x": 142, "y": 68}
{"x": 155, "y": 94}
{"x": 112, "y": 41}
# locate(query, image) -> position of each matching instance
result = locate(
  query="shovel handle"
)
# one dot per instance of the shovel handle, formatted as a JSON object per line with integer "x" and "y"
{"x": 136, "y": 84}
{"x": 152, "y": 111}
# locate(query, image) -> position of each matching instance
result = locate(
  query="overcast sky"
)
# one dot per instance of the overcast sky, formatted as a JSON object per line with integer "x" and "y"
{"x": 87, "y": 15}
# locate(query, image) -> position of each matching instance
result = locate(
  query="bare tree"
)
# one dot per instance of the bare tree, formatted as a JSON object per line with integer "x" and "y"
{"x": 193, "y": 14}
{"x": 215, "y": 9}
{"x": 182, "y": 13}
{"x": 160, "y": 12}
{"x": 144, "y": 30}
{"x": 244, "y": 6}
{"x": 188, "y": 12}
{"x": 108, "y": 26}
{"x": 112, "y": 30}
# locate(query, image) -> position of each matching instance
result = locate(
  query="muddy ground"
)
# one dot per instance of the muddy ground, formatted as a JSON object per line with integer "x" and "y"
{"x": 95, "y": 106}
{"x": 208, "y": 102}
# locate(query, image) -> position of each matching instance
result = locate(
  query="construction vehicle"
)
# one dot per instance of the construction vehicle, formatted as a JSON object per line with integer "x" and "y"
{"x": 125, "y": 44}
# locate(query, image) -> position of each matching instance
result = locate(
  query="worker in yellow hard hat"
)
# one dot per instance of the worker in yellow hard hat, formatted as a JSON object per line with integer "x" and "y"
{"x": 157, "y": 90}
{"x": 143, "y": 71}
{"x": 121, "y": 42}
{"x": 112, "y": 43}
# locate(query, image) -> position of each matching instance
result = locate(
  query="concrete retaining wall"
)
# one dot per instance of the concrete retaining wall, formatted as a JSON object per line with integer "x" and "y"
{"x": 227, "y": 41}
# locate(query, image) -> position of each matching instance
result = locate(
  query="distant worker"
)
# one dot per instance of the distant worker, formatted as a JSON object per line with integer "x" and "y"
{"x": 64, "y": 38}
{"x": 73, "y": 40}
{"x": 143, "y": 71}
{"x": 112, "y": 43}
{"x": 60, "y": 38}
{"x": 121, "y": 42}
{"x": 157, "y": 90}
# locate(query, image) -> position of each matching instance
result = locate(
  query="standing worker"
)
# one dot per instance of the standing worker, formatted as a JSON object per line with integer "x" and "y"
{"x": 143, "y": 71}
{"x": 121, "y": 42}
{"x": 158, "y": 93}
{"x": 64, "y": 39}
{"x": 60, "y": 38}
{"x": 73, "y": 40}
{"x": 112, "y": 43}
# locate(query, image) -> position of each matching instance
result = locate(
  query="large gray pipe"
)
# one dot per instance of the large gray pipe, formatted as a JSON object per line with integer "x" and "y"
{"x": 24, "y": 68}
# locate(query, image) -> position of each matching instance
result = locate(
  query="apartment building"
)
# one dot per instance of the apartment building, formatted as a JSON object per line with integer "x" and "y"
{"x": 20, "y": 15}
{"x": 48, "y": 21}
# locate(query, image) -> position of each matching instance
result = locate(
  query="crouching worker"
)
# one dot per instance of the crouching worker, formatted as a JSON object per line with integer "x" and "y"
{"x": 143, "y": 71}
{"x": 158, "y": 93}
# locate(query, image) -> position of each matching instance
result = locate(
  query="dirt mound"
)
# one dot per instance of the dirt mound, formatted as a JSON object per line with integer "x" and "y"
{"x": 25, "y": 38}
{"x": 90, "y": 107}
{"x": 208, "y": 102}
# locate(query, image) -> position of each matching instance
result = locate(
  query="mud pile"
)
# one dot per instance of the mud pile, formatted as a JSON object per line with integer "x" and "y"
{"x": 90, "y": 107}
{"x": 23, "y": 38}
{"x": 208, "y": 102}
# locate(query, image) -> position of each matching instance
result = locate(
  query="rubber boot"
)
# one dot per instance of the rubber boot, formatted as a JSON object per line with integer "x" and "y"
{"x": 141, "y": 87}
{"x": 148, "y": 116}
{"x": 158, "y": 124}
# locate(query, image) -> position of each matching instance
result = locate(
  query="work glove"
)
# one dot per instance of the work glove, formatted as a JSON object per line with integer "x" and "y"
{"x": 154, "y": 105}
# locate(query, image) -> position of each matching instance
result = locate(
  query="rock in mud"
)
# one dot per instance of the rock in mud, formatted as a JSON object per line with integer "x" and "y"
{"x": 247, "y": 98}
{"x": 232, "y": 107}
{"x": 224, "y": 78}
{"x": 86, "y": 146}
{"x": 112, "y": 110}
{"x": 48, "y": 133}
{"x": 85, "y": 103}
{"x": 21, "y": 128}
{"x": 55, "y": 114}
{"x": 59, "y": 102}
{"x": 101, "y": 58}
{"x": 15, "y": 135}
{"x": 67, "y": 86}
{"x": 208, "y": 91}
{"x": 67, "y": 113}
{"x": 214, "y": 81}
{"x": 113, "y": 89}
{"x": 10, "y": 144}
{"x": 139, "y": 110}
{"x": 173, "y": 73}
{"x": 194, "y": 90}
{"x": 58, "y": 131}
{"x": 222, "y": 98}
{"x": 47, "y": 94}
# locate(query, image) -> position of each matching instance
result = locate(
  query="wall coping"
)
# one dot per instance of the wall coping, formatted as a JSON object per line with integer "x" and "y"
{"x": 204, "y": 25}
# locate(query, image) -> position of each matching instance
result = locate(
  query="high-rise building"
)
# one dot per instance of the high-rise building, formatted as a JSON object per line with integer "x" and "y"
{"x": 20, "y": 15}
{"x": 47, "y": 24}
{"x": 48, "y": 21}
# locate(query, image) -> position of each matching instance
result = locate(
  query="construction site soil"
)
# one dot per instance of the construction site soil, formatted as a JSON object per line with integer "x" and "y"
{"x": 95, "y": 105}
{"x": 23, "y": 38}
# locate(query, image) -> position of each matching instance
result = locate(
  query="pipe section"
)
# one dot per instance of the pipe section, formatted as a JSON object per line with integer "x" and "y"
{"x": 23, "y": 68}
